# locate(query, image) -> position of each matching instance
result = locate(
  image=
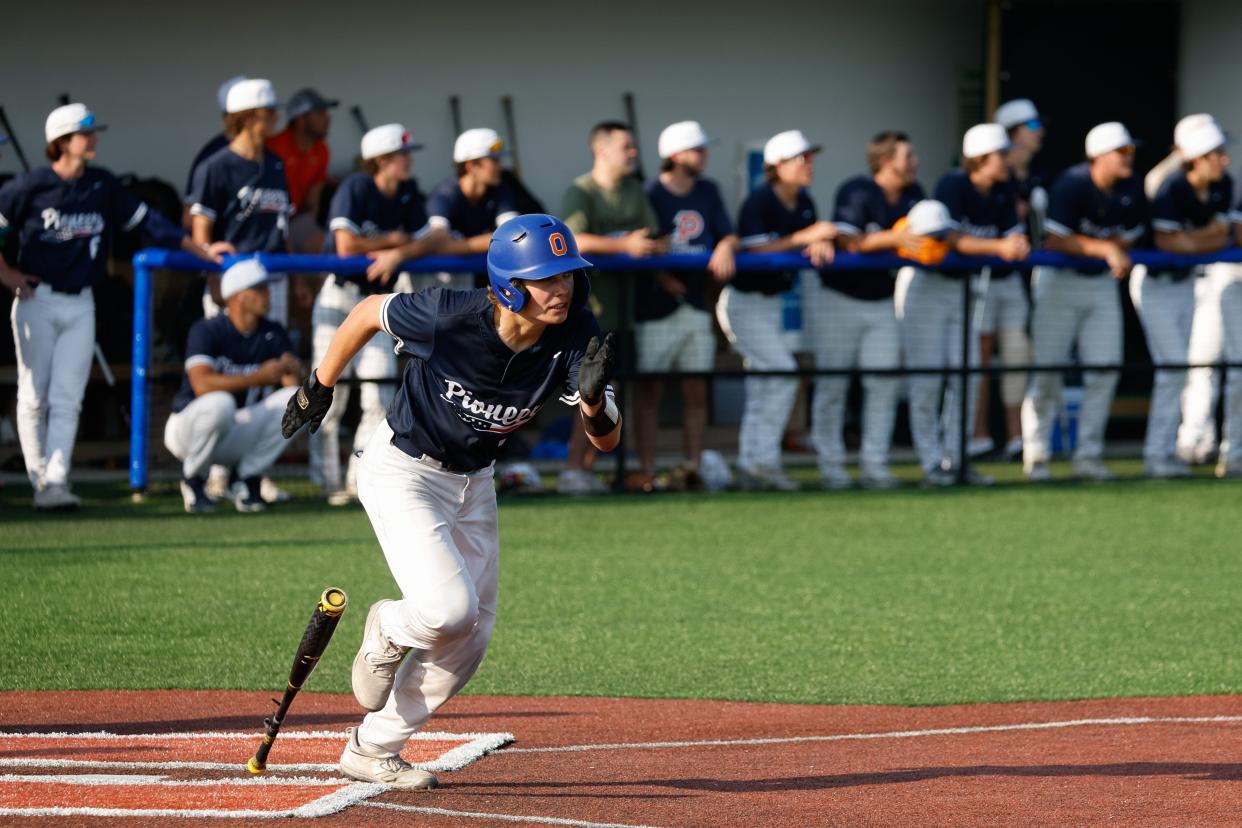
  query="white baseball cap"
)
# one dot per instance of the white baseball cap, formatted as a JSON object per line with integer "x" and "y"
{"x": 477, "y": 143}
{"x": 251, "y": 93}
{"x": 241, "y": 276}
{"x": 222, "y": 94}
{"x": 785, "y": 145}
{"x": 682, "y": 136}
{"x": 930, "y": 217}
{"x": 1106, "y": 137}
{"x": 1019, "y": 111}
{"x": 387, "y": 139}
{"x": 1188, "y": 123}
{"x": 983, "y": 139}
{"x": 1200, "y": 137}
{"x": 68, "y": 119}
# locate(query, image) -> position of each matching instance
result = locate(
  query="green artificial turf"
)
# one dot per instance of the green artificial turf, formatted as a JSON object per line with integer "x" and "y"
{"x": 909, "y": 597}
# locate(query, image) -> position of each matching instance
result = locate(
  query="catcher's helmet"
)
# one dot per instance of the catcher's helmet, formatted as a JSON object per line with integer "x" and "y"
{"x": 532, "y": 247}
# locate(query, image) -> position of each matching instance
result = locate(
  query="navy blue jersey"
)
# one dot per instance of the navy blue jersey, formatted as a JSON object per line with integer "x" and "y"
{"x": 765, "y": 218}
{"x": 360, "y": 208}
{"x": 218, "y": 142}
{"x": 1077, "y": 207}
{"x": 990, "y": 215}
{"x": 862, "y": 207}
{"x": 218, "y": 345}
{"x": 464, "y": 391}
{"x": 1178, "y": 207}
{"x": 449, "y": 209}
{"x": 60, "y": 227}
{"x": 694, "y": 223}
{"x": 248, "y": 202}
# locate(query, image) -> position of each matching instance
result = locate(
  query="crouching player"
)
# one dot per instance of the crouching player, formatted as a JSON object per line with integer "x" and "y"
{"x": 483, "y": 364}
{"x": 227, "y": 412}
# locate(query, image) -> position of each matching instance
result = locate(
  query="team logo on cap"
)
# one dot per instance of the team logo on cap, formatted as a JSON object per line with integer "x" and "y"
{"x": 557, "y": 241}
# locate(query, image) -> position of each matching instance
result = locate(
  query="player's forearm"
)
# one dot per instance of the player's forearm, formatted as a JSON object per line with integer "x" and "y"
{"x": 200, "y": 230}
{"x": 1079, "y": 245}
{"x": 781, "y": 245}
{"x": 347, "y": 244}
{"x": 874, "y": 242}
{"x": 975, "y": 246}
{"x": 362, "y": 323}
{"x": 589, "y": 243}
{"x": 207, "y": 381}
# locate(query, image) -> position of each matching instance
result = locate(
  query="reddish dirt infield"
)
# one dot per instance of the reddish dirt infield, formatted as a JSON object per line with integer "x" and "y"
{"x": 1118, "y": 762}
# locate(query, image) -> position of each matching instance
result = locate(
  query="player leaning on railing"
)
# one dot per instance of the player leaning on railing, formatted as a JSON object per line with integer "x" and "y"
{"x": 483, "y": 364}
{"x": 62, "y": 218}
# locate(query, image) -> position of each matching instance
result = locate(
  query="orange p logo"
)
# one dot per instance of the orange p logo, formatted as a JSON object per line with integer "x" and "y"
{"x": 557, "y": 240}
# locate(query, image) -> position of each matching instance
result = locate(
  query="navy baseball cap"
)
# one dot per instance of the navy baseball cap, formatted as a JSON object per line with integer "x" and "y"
{"x": 308, "y": 100}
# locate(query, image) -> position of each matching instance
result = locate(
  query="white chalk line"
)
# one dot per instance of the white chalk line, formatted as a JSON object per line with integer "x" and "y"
{"x": 147, "y": 780}
{"x": 892, "y": 734}
{"x": 540, "y": 820}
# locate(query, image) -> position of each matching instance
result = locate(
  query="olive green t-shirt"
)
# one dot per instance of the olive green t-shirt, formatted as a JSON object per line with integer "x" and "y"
{"x": 589, "y": 208}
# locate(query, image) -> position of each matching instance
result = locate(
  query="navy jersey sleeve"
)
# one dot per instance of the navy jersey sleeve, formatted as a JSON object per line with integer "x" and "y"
{"x": 949, "y": 193}
{"x": 282, "y": 344}
{"x": 850, "y": 212}
{"x": 207, "y": 197}
{"x": 128, "y": 214}
{"x": 589, "y": 328}
{"x": 201, "y": 347}
{"x": 1008, "y": 221}
{"x": 10, "y": 209}
{"x": 1166, "y": 213}
{"x": 416, "y": 218}
{"x": 506, "y": 204}
{"x": 1064, "y": 207}
{"x": 345, "y": 210}
{"x": 440, "y": 207}
{"x": 410, "y": 318}
{"x": 1137, "y": 213}
{"x": 752, "y": 223}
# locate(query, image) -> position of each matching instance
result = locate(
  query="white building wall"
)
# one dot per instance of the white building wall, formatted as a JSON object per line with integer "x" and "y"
{"x": 838, "y": 71}
{"x": 1210, "y": 79}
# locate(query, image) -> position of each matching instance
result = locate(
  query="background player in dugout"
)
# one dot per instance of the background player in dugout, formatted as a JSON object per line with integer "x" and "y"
{"x": 673, "y": 326}
{"x": 609, "y": 213}
{"x": 483, "y": 364}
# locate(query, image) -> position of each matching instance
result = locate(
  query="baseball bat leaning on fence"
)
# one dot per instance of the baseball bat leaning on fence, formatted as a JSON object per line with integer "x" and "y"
{"x": 631, "y": 115}
{"x": 511, "y": 177}
{"x": 314, "y": 641}
{"x": 17, "y": 147}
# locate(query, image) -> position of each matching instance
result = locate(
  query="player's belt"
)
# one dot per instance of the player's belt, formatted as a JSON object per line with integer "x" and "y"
{"x": 69, "y": 291}
{"x": 419, "y": 456}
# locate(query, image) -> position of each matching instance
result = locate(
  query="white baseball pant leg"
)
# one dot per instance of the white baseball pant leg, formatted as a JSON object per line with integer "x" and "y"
{"x": 752, "y": 322}
{"x": 1231, "y": 315}
{"x": 848, "y": 333}
{"x": 212, "y": 430}
{"x": 1069, "y": 309}
{"x": 54, "y": 335}
{"x": 1165, "y": 308}
{"x": 1196, "y": 437}
{"x": 438, "y": 531}
{"x": 931, "y": 322}
{"x": 1007, "y": 315}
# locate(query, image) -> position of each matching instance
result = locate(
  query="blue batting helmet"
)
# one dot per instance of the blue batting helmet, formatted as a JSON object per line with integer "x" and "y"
{"x": 532, "y": 247}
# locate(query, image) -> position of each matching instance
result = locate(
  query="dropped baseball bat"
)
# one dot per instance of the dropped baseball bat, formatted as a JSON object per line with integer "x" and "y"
{"x": 314, "y": 641}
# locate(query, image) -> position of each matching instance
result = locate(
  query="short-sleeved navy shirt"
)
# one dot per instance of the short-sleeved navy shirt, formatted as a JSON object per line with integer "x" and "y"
{"x": 862, "y": 207}
{"x": 1178, "y": 207}
{"x": 694, "y": 223}
{"x": 464, "y": 391}
{"x": 61, "y": 227}
{"x": 765, "y": 218}
{"x": 990, "y": 215}
{"x": 220, "y": 346}
{"x": 247, "y": 201}
{"x": 449, "y": 209}
{"x": 359, "y": 207}
{"x": 1077, "y": 207}
{"x": 218, "y": 142}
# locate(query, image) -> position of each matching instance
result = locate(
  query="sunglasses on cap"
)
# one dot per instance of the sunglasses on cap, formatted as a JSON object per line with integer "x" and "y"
{"x": 1128, "y": 150}
{"x": 1034, "y": 124}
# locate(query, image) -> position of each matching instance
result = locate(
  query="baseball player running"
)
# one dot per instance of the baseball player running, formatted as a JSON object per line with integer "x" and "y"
{"x": 483, "y": 364}
{"x": 982, "y": 208}
{"x": 779, "y": 216}
{"x": 1095, "y": 209}
{"x": 674, "y": 327}
{"x": 239, "y": 194}
{"x": 62, "y": 218}
{"x": 378, "y": 213}
{"x": 853, "y": 317}
{"x": 228, "y": 412}
{"x": 1190, "y": 214}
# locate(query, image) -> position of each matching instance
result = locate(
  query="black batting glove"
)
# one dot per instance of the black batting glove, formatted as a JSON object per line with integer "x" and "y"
{"x": 309, "y": 405}
{"x": 596, "y": 368}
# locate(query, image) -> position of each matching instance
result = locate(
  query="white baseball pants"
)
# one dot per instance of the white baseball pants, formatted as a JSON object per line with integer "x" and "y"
{"x": 55, "y": 338}
{"x": 1196, "y": 437}
{"x": 1071, "y": 309}
{"x": 1006, "y": 312}
{"x": 1231, "y": 315}
{"x": 1165, "y": 308}
{"x": 930, "y": 318}
{"x": 752, "y": 322}
{"x": 212, "y": 430}
{"x": 376, "y": 360}
{"x": 439, "y": 534}
{"x": 853, "y": 333}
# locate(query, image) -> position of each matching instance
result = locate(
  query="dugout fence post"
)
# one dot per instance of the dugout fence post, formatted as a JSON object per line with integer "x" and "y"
{"x": 965, "y": 377}
{"x": 140, "y": 411}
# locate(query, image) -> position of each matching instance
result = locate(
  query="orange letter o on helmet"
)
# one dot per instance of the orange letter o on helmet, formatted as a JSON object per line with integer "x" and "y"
{"x": 557, "y": 240}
